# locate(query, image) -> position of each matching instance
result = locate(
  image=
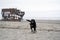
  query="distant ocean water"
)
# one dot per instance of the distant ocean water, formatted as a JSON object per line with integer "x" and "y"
{"x": 48, "y": 21}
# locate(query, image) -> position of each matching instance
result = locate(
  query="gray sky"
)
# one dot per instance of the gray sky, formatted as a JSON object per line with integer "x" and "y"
{"x": 37, "y": 9}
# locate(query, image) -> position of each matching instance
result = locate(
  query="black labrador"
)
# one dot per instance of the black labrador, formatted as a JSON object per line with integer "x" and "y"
{"x": 32, "y": 25}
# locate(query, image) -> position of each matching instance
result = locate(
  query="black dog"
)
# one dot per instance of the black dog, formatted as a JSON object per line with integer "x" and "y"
{"x": 32, "y": 24}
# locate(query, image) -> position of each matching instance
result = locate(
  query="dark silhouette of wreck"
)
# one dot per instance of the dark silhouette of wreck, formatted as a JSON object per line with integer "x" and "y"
{"x": 12, "y": 14}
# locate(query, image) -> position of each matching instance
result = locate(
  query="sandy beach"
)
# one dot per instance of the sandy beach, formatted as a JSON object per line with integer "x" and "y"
{"x": 46, "y": 30}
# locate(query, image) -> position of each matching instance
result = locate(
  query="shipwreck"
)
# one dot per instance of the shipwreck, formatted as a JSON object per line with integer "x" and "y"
{"x": 12, "y": 14}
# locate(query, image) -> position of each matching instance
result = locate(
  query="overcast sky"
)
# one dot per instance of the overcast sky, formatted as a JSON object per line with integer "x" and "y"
{"x": 37, "y": 9}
